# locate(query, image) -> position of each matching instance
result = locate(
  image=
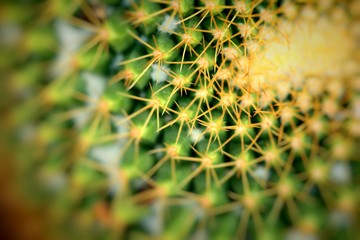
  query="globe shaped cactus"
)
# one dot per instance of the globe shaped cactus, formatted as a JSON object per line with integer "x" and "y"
{"x": 184, "y": 119}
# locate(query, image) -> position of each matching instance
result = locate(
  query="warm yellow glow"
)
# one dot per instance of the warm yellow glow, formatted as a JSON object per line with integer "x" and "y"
{"x": 303, "y": 50}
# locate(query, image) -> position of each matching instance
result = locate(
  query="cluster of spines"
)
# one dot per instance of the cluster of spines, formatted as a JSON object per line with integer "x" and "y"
{"x": 216, "y": 122}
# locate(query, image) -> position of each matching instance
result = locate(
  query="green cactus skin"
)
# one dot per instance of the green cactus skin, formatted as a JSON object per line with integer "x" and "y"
{"x": 185, "y": 119}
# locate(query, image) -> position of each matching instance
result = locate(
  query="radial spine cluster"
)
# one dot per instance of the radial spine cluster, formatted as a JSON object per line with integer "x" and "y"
{"x": 189, "y": 119}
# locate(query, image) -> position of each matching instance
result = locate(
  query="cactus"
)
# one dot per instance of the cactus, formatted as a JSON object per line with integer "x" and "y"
{"x": 186, "y": 119}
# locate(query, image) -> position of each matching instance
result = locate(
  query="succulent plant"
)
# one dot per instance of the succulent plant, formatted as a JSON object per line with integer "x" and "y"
{"x": 185, "y": 119}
